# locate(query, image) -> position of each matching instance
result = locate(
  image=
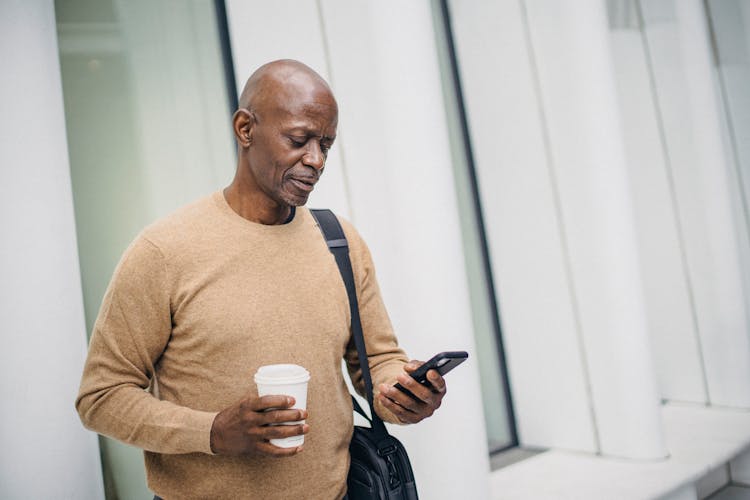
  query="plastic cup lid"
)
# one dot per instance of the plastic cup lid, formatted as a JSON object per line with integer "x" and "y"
{"x": 281, "y": 374}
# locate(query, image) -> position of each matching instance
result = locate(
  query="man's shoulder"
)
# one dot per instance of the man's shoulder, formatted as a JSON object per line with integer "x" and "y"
{"x": 357, "y": 245}
{"x": 352, "y": 235}
{"x": 182, "y": 225}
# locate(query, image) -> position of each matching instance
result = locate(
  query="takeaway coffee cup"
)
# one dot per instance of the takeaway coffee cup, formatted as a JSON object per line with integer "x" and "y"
{"x": 285, "y": 380}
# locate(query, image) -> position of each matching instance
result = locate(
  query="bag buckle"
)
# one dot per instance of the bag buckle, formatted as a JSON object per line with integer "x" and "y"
{"x": 387, "y": 450}
{"x": 394, "y": 481}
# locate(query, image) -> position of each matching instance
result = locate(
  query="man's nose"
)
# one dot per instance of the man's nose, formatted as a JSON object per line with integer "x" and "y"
{"x": 314, "y": 156}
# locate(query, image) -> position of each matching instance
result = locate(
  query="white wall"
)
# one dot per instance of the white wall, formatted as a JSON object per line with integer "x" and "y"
{"x": 706, "y": 191}
{"x": 614, "y": 214}
{"x": 570, "y": 45}
{"x": 669, "y": 297}
{"x": 46, "y": 451}
{"x": 522, "y": 222}
{"x": 382, "y": 62}
{"x": 540, "y": 92}
{"x": 693, "y": 232}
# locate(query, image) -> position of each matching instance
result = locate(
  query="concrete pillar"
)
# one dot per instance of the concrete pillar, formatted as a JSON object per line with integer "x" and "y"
{"x": 46, "y": 451}
{"x": 522, "y": 222}
{"x": 569, "y": 43}
{"x": 673, "y": 328}
{"x": 707, "y": 192}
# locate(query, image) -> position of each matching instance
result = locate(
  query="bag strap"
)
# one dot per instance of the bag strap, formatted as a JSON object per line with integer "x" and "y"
{"x": 359, "y": 410}
{"x": 339, "y": 247}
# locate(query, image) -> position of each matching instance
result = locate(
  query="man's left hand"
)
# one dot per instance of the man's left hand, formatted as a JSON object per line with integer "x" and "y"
{"x": 407, "y": 409}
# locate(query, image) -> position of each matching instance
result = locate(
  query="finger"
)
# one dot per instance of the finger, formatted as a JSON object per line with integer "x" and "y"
{"x": 272, "y": 401}
{"x": 413, "y": 365}
{"x": 284, "y": 431}
{"x": 437, "y": 381}
{"x": 278, "y": 451}
{"x": 400, "y": 398}
{"x": 424, "y": 394}
{"x": 281, "y": 416}
{"x": 401, "y": 413}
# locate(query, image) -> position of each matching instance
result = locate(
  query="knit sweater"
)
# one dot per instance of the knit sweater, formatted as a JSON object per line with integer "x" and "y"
{"x": 198, "y": 302}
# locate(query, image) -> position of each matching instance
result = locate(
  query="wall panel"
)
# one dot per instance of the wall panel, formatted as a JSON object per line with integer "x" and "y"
{"x": 667, "y": 288}
{"x": 523, "y": 225}
{"x": 707, "y": 196}
{"x": 46, "y": 451}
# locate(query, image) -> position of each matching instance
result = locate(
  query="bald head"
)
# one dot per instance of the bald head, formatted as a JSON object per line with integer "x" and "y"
{"x": 276, "y": 82}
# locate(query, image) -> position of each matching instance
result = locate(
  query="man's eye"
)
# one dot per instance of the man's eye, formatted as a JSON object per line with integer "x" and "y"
{"x": 324, "y": 148}
{"x": 298, "y": 142}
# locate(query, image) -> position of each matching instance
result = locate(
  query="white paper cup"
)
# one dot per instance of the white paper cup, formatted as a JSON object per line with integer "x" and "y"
{"x": 285, "y": 380}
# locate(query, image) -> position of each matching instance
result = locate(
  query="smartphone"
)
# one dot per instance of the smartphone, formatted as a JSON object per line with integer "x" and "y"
{"x": 442, "y": 362}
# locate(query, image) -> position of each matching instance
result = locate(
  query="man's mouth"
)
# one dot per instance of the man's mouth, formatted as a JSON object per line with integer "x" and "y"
{"x": 305, "y": 184}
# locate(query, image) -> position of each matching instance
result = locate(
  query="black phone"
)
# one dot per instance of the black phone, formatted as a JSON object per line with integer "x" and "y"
{"x": 442, "y": 362}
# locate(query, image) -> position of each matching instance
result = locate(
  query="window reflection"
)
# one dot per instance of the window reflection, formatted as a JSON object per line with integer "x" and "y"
{"x": 147, "y": 119}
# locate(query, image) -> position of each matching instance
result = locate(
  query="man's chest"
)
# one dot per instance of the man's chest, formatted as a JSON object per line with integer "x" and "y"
{"x": 240, "y": 309}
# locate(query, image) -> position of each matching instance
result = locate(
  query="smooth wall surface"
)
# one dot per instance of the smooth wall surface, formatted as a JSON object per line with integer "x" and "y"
{"x": 614, "y": 209}
{"x": 381, "y": 60}
{"x": 541, "y": 97}
{"x": 523, "y": 225}
{"x": 706, "y": 190}
{"x": 570, "y": 44}
{"x": 691, "y": 218}
{"x": 46, "y": 451}
{"x": 670, "y": 303}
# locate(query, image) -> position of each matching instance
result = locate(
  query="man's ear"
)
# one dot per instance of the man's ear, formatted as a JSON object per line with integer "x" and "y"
{"x": 243, "y": 123}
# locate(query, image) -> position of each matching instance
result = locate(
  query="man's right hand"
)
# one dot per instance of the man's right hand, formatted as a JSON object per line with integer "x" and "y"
{"x": 244, "y": 428}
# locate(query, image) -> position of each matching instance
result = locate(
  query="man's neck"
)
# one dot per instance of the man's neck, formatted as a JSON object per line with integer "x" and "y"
{"x": 256, "y": 208}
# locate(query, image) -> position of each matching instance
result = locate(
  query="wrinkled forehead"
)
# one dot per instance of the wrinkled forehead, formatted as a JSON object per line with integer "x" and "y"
{"x": 302, "y": 101}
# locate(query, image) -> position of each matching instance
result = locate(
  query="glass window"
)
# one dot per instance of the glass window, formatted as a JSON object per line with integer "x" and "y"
{"x": 148, "y": 123}
{"x": 498, "y": 412}
{"x": 730, "y": 26}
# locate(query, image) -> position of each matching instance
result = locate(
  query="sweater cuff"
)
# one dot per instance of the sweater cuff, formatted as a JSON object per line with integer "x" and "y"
{"x": 199, "y": 428}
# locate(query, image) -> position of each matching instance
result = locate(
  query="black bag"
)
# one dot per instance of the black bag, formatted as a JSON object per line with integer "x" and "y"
{"x": 380, "y": 467}
{"x": 378, "y": 474}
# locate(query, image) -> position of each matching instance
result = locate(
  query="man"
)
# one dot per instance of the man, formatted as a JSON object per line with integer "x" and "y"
{"x": 232, "y": 282}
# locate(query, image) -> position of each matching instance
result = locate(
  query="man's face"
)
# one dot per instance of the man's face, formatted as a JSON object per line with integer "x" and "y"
{"x": 290, "y": 142}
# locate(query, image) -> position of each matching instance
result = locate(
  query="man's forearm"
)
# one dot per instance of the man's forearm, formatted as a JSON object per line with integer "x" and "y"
{"x": 131, "y": 415}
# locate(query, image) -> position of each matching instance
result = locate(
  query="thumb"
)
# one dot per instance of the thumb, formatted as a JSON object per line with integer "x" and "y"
{"x": 413, "y": 365}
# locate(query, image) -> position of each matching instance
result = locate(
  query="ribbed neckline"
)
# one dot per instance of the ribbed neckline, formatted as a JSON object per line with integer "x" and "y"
{"x": 227, "y": 211}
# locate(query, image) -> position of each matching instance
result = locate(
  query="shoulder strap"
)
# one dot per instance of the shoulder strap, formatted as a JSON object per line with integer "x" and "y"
{"x": 339, "y": 247}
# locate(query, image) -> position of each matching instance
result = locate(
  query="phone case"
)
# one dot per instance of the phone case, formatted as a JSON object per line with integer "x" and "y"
{"x": 442, "y": 362}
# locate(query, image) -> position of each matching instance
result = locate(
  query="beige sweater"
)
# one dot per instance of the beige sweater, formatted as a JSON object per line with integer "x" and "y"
{"x": 199, "y": 301}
